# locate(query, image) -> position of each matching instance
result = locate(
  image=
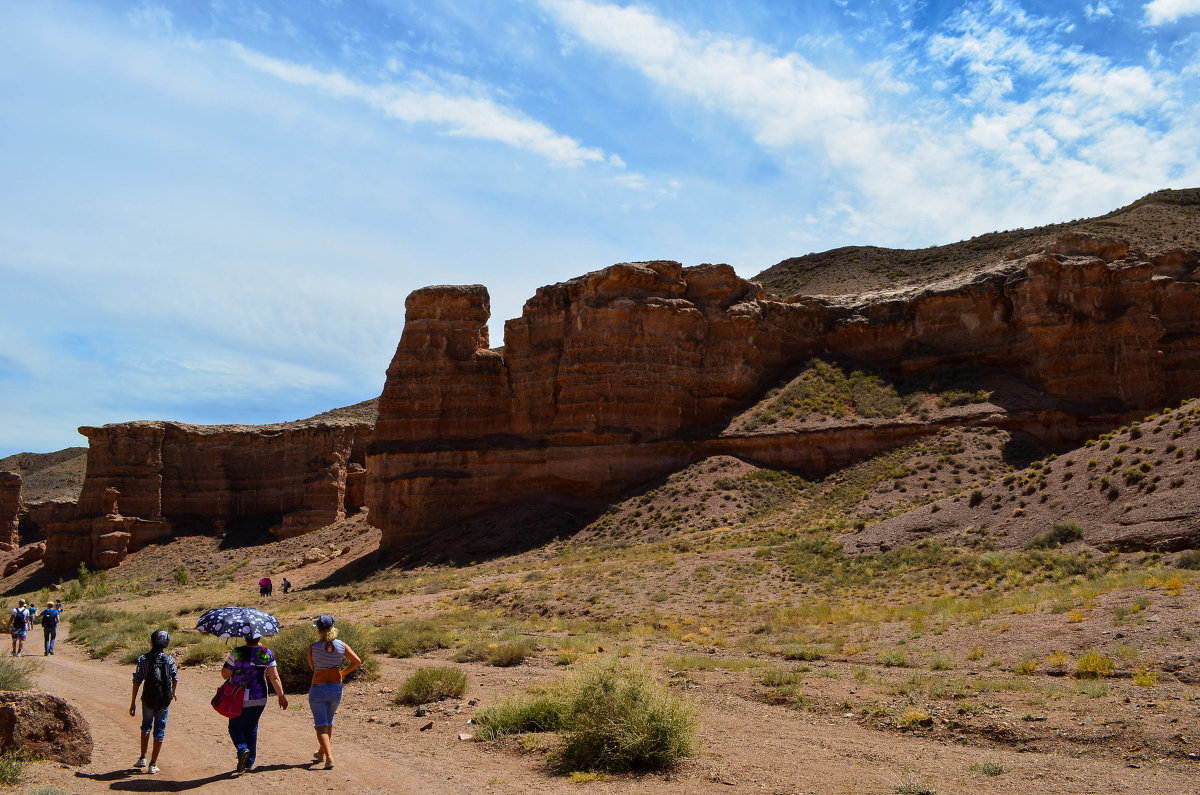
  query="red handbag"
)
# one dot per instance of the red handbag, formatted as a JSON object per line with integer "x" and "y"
{"x": 228, "y": 700}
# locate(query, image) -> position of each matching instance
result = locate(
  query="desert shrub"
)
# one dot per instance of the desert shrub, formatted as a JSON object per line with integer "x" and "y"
{"x": 432, "y": 684}
{"x": 619, "y": 719}
{"x": 102, "y": 630}
{"x": 207, "y": 649}
{"x": 503, "y": 653}
{"x": 412, "y": 637}
{"x": 290, "y": 648}
{"x": 180, "y": 575}
{"x": 17, "y": 675}
{"x": 1189, "y": 559}
{"x": 1093, "y": 664}
{"x": 802, "y": 653}
{"x": 1062, "y": 532}
{"x": 12, "y": 767}
{"x": 915, "y": 788}
{"x": 893, "y": 659}
{"x": 988, "y": 768}
{"x": 519, "y": 716}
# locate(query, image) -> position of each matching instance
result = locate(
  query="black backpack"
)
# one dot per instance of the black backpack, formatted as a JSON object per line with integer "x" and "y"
{"x": 18, "y": 620}
{"x": 49, "y": 619}
{"x": 157, "y": 691}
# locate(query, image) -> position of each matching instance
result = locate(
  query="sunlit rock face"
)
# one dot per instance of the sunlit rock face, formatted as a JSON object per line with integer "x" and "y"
{"x": 147, "y": 480}
{"x": 10, "y": 510}
{"x": 630, "y": 372}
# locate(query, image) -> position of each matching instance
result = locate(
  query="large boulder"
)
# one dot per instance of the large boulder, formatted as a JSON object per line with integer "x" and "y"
{"x": 46, "y": 726}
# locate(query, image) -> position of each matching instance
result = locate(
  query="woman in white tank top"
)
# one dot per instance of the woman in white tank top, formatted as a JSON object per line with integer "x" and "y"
{"x": 326, "y": 657}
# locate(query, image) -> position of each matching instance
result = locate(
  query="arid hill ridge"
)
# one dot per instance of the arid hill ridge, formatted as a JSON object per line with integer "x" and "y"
{"x": 1157, "y": 225}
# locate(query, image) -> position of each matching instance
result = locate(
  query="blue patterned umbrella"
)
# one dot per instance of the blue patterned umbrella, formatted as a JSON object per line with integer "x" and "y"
{"x": 238, "y": 622}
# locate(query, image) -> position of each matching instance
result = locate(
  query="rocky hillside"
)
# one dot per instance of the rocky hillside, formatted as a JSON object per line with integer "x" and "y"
{"x": 48, "y": 476}
{"x": 1157, "y": 225}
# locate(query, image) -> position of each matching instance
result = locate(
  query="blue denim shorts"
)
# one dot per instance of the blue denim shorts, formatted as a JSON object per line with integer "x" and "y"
{"x": 157, "y": 717}
{"x": 323, "y": 700}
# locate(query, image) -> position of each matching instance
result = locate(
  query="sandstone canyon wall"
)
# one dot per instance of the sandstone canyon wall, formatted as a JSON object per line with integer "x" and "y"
{"x": 148, "y": 480}
{"x": 10, "y": 510}
{"x": 627, "y": 373}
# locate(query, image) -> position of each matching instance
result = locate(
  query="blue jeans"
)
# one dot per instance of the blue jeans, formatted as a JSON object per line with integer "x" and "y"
{"x": 51, "y": 633}
{"x": 243, "y": 730}
{"x": 323, "y": 700}
{"x": 157, "y": 718}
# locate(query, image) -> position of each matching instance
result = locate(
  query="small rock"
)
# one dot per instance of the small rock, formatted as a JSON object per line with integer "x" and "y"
{"x": 466, "y": 736}
{"x": 421, "y": 711}
{"x": 372, "y": 719}
{"x": 427, "y": 726}
{"x": 472, "y": 702}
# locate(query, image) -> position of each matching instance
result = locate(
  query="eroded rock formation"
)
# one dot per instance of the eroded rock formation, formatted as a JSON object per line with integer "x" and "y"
{"x": 629, "y": 372}
{"x": 147, "y": 480}
{"x": 10, "y": 511}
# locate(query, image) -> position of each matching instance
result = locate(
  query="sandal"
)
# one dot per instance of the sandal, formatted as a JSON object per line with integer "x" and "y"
{"x": 318, "y": 757}
{"x": 329, "y": 764}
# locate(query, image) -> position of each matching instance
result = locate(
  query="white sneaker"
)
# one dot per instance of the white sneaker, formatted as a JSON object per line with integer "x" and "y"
{"x": 153, "y": 768}
{"x": 140, "y": 763}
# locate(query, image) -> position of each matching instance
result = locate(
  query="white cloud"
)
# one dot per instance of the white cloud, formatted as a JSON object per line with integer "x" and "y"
{"x": 467, "y": 116}
{"x": 1161, "y": 12}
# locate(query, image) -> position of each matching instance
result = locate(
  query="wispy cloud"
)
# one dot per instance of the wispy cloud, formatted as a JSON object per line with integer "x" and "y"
{"x": 467, "y": 116}
{"x": 1017, "y": 114}
{"x": 1162, "y": 12}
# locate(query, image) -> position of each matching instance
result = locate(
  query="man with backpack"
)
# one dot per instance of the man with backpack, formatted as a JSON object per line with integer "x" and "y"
{"x": 157, "y": 670}
{"x": 49, "y": 627}
{"x": 18, "y": 626}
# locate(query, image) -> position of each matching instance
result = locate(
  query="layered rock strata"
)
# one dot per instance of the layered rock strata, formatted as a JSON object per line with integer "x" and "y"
{"x": 148, "y": 480}
{"x": 10, "y": 511}
{"x": 630, "y": 372}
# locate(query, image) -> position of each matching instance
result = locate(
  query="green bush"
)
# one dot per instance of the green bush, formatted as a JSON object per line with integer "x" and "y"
{"x": 17, "y": 674}
{"x": 432, "y": 684}
{"x": 803, "y": 653}
{"x": 290, "y": 648}
{"x": 1093, "y": 664}
{"x": 521, "y": 716}
{"x": 619, "y": 719}
{"x": 1189, "y": 559}
{"x": 12, "y": 767}
{"x": 502, "y": 653}
{"x": 207, "y": 649}
{"x": 102, "y": 630}
{"x": 1062, "y": 532}
{"x": 412, "y": 637}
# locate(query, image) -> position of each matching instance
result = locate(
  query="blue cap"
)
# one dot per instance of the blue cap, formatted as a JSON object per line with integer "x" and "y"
{"x": 324, "y": 623}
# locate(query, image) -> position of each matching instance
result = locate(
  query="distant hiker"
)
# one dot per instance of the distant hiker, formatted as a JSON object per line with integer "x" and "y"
{"x": 157, "y": 669}
{"x": 264, "y": 587}
{"x": 287, "y": 586}
{"x": 49, "y": 627}
{"x": 18, "y": 625}
{"x": 251, "y": 666}
{"x": 326, "y": 657}
{"x": 58, "y": 606}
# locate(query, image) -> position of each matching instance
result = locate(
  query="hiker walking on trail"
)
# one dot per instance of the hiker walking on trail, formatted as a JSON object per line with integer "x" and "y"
{"x": 287, "y": 586}
{"x": 18, "y": 626}
{"x": 157, "y": 670}
{"x": 326, "y": 657}
{"x": 265, "y": 587}
{"x": 49, "y": 628}
{"x": 251, "y": 666}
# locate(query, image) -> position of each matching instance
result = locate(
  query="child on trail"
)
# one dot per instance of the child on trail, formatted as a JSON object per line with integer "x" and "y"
{"x": 49, "y": 628}
{"x": 18, "y": 626}
{"x": 157, "y": 669}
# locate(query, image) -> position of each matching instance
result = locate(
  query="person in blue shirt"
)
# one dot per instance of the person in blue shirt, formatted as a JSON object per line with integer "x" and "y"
{"x": 49, "y": 619}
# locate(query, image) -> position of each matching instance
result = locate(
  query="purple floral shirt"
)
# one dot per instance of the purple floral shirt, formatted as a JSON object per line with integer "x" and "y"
{"x": 249, "y": 665}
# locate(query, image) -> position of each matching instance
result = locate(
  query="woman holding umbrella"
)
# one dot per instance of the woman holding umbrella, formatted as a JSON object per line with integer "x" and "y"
{"x": 250, "y": 666}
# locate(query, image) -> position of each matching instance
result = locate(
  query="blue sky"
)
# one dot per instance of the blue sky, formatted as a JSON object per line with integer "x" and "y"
{"x": 213, "y": 211}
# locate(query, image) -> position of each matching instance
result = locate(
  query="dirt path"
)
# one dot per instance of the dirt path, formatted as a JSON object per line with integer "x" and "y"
{"x": 747, "y": 747}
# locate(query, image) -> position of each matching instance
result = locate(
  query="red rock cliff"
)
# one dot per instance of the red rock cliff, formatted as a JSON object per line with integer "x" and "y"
{"x": 627, "y": 373}
{"x": 10, "y": 510}
{"x": 145, "y": 480}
